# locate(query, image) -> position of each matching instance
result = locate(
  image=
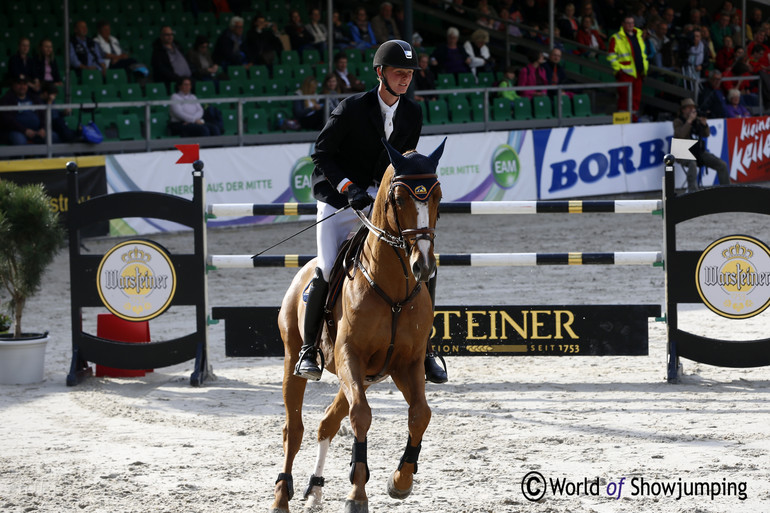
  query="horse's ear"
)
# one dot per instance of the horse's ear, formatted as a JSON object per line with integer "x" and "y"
{"x": 395, "y": 157}
{"x": 436, "y": 155}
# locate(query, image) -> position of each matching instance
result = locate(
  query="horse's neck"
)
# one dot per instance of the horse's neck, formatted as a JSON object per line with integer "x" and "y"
{"x": 382, "y": 262}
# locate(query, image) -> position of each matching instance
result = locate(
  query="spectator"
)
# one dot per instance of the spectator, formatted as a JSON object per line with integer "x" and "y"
{"x": 23, "y": 126}
{"x": 329, "y": 87}
{"x": 738, "y": 69}
{"x": 509, "y": 80}
{"x": 229, "y": 50}
{"x": 587, "y": 11}
{"x": 533, "y": 74}
{"x": 346, "y": 81}
{"x": 477, "y": 50}
{"x": 262, "y": 43}
{"x": 384, "y": 25}
{"x": 640, "y": 14}
{"x": 309, "y": 112}
{"x": 712, "y": 99}
{"x": 423, "y": 78}
{"x": 299, "y": 38}
{"x": 84, "y": 52}
{"x": 554, "y": 72}
{"x": 201, "y": 62}
{"x": 48, "y": 93}
{"x": 720, "y": 29}
{"x": 726, "y": 54}
{"x": 168, "y": 62}
{"x": 449, "y": 58}
{"x": 114, "y": 55}
{"x": 486, "y": 16}
{"x": 21, "y": 63}
{"x": 341, "y": 33}
{"x": 710, "y": 55}
{"x": 187, "y": 119}
{"x": 567, "y": 23}
{"x": 502, "y": 26}
{"x": 531, "y": 12}
{"x": 689, "y": 126}
{"x": 758, "y": 61}
{"x": 317, "y": 31}
{"x": 759, "y": 39}
{"x": 46, "y": 68}
{"x": 696, "y": 56}
{"x": 628, "y": 58}
{"x": 753, "y": 22}
{"x": 589, "y": 37}
{"x": 361, "y": 31}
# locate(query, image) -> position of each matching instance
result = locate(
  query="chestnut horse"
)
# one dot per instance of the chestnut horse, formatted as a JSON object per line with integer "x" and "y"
{"x": 379, "y": 326}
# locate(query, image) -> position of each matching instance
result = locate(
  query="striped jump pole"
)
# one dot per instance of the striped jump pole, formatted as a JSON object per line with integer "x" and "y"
{"x": 649, "y": 258}
{"x": 469, "y": 207}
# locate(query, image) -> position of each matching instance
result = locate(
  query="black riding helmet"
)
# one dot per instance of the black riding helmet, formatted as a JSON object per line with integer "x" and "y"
{"x": 396, "y": 54}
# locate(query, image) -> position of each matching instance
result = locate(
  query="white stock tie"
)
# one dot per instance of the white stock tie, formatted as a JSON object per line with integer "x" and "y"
{"x": 388, "y": 124}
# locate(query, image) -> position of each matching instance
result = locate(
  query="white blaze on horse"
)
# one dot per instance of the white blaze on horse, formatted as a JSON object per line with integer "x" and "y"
{"x": 378, "y": 326}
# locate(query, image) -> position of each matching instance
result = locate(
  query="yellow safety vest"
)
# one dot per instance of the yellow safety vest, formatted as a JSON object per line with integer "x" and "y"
{"x": 622, "y": 58}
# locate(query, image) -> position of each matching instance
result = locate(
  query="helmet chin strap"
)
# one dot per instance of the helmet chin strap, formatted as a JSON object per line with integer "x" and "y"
{"x": 385, "y": 83}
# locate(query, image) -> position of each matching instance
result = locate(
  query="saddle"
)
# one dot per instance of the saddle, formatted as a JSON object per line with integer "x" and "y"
{"x": 347, "y": 256}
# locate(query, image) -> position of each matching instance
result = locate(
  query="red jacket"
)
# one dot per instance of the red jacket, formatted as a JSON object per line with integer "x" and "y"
{"x": 584, "y": 38}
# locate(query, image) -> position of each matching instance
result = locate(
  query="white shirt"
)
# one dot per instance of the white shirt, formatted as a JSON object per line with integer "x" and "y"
{"x": 387, "y": 115}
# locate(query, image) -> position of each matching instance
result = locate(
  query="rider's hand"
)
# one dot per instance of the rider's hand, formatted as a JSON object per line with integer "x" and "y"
{"x": 357, "y": 197}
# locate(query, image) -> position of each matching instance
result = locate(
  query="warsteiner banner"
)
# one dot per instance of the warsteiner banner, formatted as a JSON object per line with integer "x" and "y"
{"x": 53, "y": 175}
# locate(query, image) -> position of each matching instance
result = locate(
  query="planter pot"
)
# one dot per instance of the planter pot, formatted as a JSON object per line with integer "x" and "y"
{"x": 22, "y": 360}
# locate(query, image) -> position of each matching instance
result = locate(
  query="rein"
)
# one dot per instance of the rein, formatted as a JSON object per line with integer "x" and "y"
{"x": 402, "y": 242}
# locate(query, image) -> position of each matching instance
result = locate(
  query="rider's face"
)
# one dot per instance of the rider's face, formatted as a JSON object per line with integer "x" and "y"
{"x": 398, "y": 78}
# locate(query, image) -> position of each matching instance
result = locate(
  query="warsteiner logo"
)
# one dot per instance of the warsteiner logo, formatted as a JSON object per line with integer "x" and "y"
{"x": 301, "y": 180}
{"x": 136, "y": 280}
{"x": 505, "y": 166}
{"x": 733, "y": 277}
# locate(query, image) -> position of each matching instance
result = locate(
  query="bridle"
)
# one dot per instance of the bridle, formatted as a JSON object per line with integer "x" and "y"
{"x": 408, "y": 238}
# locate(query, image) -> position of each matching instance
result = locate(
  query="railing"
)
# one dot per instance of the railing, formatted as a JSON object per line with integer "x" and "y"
{"x": 242, "y": 137}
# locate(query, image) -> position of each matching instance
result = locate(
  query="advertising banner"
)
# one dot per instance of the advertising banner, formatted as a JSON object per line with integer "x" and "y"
{"x": 52, "y": 174}
{"x": 749, "y": 148}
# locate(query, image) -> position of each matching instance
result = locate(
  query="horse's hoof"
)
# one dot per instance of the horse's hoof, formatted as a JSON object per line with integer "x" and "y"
{"x": 278, "y": 510}
{"x": 395, "y": 492}
{"x": 352, "y": 506}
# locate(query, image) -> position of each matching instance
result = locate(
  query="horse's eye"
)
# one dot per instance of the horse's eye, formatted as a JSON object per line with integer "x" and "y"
{"x": 400, "y": 201}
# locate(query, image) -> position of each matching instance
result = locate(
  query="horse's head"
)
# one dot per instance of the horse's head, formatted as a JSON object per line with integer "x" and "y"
{"x": 411, "y": 206}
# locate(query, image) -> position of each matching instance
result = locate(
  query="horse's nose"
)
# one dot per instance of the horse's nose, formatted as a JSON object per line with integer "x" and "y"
{"x": 423, "y": 270}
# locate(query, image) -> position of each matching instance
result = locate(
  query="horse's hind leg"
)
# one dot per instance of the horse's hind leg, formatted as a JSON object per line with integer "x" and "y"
{"x": 412, "y": 386}
{"x": 329, "y": 427}
{"x": 293, "y": 429}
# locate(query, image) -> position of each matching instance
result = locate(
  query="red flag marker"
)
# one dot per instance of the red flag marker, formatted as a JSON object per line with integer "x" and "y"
{"x": 190, "y": 153}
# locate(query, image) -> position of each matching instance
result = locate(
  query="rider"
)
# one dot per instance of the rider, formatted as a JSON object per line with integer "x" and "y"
{"x": 349, "y": 163}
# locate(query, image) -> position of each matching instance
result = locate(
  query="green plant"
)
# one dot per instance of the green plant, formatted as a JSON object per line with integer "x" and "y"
{"x": 30, "y": 237}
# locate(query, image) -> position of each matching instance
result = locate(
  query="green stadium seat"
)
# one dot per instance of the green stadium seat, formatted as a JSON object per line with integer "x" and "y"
{"x": 206, "y": 19}
{"x": 459, "y": 109}
{"x": 205, "y": 89}
{"x": 282, "y": 71}
{"x": 229, "y": 88}
{"x": 230, "y": 121}
{"x": 354, "y": 55}
{"x": 277, "y": 87}
{"x": 278, "y": 115}
{"x": 259, "y": 72}
{"x": 501, "y": 109}
{"x": 238, "y": 73}
{"x": 311, "y": 56}
{"x": 446, "y": 81}
{"x": 438, "y": 112}
{"x": 129, "y": 128}
{"x": 581, "y": 104}
{"x": 91, "y": 77}
{"x": 174, "y": 6}
{"x": 105, "y": 119}
{"x": 572, "y": 66}
{"x": 466, "y": 80}
{"x": 159, "y": 125}
{"x": 80, "y": 93}
{"x": 522, "y": 108}
{"x": 106, "y": 93}
{"x": 542, "y": 107}
{"x": 302, "y": 71}
{"x": 252, "y": 88}
{"x": 290, "y": 57}
{"x": 369, "y": 54}
{"x": 156, "y": 91}
{"x": 130, "y": 92}
{"x": 255, "y": 121}
{"x": 566, "y": 107}
{"x": 116, "y": 76}
{"x": 477, "y": 108}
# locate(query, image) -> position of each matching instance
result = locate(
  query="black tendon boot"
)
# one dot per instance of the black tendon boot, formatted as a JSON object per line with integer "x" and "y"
{"x": 434, "y": 372}
{"x": 307, "y": 366}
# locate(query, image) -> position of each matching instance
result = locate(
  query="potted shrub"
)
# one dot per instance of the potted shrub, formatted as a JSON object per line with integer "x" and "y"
{"x": 30, "y": 237}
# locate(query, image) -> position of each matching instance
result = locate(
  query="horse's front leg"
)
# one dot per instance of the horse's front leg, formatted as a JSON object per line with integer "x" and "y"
{"x": 411, "y": 382}
{"x": 351, "y": 371}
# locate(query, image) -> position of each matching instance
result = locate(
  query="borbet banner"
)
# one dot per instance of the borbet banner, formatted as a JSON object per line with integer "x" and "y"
{"x": 749, "y": 148}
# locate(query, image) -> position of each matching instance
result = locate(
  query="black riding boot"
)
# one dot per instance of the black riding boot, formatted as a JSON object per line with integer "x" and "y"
{"x": 307, "y": 366}
{"x": 434, "y": 372}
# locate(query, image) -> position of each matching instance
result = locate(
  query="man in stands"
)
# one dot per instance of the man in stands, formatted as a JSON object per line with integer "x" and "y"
{"x": 23, "y": 126}
{"x": 84, "y": 52}
{"x": 346, "y": 81}
{"x": 628, "y": 58}
{"x": 168, "y": 60}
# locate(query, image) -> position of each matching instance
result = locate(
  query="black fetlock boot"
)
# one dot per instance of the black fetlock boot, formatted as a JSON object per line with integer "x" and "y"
{"x": 434, "y": 372}
{"x": 307, "y": 366}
